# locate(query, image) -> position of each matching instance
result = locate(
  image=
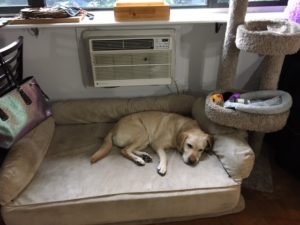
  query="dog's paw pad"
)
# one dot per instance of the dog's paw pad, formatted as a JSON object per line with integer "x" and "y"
{"x": 147, "y": 158}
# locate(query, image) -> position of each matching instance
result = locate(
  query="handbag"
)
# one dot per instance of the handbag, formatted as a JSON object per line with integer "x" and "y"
{"x": 22, "y": 107}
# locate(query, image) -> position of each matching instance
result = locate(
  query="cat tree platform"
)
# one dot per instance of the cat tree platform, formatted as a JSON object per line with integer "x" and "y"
{"x": 248, "y": 121}
{"x": 268, "y": 37}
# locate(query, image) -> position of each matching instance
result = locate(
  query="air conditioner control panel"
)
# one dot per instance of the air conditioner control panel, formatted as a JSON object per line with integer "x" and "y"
{"x": 162, "y": 43}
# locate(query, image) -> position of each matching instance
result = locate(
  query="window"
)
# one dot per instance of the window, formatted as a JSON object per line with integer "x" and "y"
{"x": 173, "y": 3}
{"x": 110, "y": 3}
{"x": 13, "y": 6}
{"x": 13, "y": 3}
{"x": 224, "y": 3}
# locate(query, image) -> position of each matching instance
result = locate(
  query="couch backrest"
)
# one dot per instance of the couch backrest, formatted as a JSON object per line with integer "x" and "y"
{"x": 112, "y": 109}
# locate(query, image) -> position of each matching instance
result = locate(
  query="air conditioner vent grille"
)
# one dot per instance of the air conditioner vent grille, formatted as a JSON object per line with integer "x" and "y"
{"x": 102, "y": 45}
{"x": 127, "y": 44}
{"x": 132, "y": 72}
{"x": 138, "y": 44}
{"x": 132, "y": 59}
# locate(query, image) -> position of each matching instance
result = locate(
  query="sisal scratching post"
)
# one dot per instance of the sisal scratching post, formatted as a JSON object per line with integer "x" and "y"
{"x": 230, "y": 55}
{"x": 270, "y": 69}
{"x": 274, "y": 39}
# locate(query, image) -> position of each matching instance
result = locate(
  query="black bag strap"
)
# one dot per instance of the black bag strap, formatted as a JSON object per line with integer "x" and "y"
{"x": 9, "y": 81}
{"x": 10, "y": 77}
{"x": 7, "y": 72}
{"x": 3, "y": 115}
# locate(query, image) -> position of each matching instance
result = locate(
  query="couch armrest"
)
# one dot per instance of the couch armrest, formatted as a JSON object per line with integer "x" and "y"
{"x": 23, "y": 160}
{"x": 235, "y": 154}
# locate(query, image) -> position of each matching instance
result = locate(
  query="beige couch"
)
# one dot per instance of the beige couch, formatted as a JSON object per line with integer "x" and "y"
{"x": 47, "y": 178}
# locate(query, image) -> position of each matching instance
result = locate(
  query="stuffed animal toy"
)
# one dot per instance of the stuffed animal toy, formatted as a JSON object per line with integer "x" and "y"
{"x": 218, "y": 99}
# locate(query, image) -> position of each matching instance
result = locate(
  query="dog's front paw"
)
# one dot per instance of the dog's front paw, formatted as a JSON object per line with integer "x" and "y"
{"x": 139, "y": 162}
{"x": 162, "y": 169}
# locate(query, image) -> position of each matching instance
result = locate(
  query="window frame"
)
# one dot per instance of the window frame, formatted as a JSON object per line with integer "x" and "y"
{"x": 210, "y": 4}
{"x": 16, "y": 9}
{"x": 215, "y": 4}
{"x": 10, "y": 10}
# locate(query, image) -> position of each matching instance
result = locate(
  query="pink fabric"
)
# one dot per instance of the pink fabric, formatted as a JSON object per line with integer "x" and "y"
{"x": 293, "y": 10}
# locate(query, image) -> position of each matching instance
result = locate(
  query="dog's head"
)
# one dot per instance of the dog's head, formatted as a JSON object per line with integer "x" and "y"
{"x": 192, "y": 143}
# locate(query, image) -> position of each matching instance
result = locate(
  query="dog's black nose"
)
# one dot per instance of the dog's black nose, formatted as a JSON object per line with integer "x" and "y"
{"x": 191, "y": 161}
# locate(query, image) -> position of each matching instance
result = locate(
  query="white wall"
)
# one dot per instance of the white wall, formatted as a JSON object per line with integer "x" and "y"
{"x": 53, "y": 58}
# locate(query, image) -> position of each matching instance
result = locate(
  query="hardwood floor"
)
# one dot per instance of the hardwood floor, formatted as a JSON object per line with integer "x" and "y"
{"x": 281, "y": 207}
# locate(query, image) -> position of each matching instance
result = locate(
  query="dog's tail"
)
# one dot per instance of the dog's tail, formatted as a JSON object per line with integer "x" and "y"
{"x": 104, "y": 149}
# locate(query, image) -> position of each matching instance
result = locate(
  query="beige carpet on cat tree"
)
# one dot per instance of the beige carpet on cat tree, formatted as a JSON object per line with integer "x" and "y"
{"x": 271, "y": 39}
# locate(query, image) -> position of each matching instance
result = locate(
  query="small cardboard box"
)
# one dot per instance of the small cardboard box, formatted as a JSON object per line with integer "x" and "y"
{"x": 128, "y": 10}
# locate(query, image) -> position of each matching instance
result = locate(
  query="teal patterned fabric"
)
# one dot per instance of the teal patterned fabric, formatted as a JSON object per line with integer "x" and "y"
{"x": 20, "y": 117}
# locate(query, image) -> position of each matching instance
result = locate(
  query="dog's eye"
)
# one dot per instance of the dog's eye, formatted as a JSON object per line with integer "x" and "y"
{"x": 190, "y": 146}
{"x": 200, "y": 150}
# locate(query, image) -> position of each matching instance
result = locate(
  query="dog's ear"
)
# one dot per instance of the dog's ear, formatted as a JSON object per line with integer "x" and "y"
{"x": 180, "y": 140}
{"x": 210, "y": 143}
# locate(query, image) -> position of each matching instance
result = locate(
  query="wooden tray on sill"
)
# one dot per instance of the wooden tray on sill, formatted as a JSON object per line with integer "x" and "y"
{"x": 75, "y": 19}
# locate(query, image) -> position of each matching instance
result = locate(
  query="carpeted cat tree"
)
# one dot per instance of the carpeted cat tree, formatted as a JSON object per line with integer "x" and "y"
{"x": 274, "y": 40}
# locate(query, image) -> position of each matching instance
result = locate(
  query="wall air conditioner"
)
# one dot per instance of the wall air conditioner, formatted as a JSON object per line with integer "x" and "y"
{"x": 131, "y": 57}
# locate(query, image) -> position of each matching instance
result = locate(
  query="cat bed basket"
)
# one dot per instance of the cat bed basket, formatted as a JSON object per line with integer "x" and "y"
{"x": 261, "y": 119}
{"x": 269, "y": 37}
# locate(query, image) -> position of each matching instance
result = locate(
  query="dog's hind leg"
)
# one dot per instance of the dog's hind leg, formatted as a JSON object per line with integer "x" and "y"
{"x": 145, "y": 156}
{"x": 130, "y": 150}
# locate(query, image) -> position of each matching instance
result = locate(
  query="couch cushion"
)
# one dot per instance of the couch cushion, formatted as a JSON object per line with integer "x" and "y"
{"x": 68, "y": 185}
{"x": 130, "y": 209}
{"x": 66, "y": 173}
{"x": 235, "y": 154}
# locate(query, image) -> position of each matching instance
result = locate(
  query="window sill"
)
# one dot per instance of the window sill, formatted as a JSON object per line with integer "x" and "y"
{"x": 177, "y": 17}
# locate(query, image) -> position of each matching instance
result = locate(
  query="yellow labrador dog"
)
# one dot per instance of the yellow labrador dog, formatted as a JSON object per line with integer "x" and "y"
{"x": 160, "y": 131}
